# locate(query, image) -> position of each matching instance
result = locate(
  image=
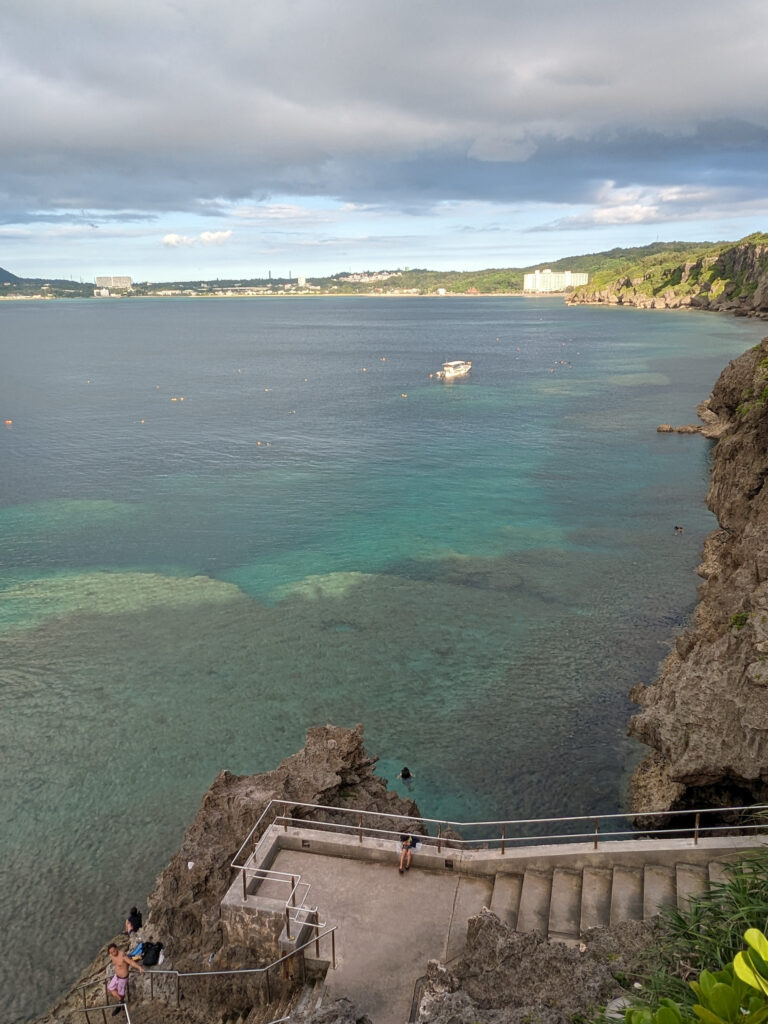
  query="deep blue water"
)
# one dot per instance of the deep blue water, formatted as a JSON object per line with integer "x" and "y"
{"x": 225, "y": 521}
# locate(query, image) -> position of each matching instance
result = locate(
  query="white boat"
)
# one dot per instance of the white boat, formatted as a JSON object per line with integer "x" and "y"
{"x": 454, "y": 369}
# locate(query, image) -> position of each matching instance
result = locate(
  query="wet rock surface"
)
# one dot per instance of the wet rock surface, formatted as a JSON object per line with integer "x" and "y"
{"x": 706, "y": 716}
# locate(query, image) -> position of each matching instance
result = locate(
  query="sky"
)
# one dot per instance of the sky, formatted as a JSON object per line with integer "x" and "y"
{"x": 182, "y": 139}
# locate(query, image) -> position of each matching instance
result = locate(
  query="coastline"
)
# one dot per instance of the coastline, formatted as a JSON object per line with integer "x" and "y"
{"x": 705, "y": 717}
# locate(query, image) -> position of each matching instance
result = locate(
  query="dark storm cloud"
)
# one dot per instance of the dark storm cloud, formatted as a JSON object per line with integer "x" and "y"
{"x": 151, "y": 106}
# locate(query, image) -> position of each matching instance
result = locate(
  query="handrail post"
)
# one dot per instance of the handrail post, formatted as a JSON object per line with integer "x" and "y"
{"x": 333, "y": 948}
{"x": 288, "y": 925}
{"x": 269, "y": 993}
{"x": 151, "y": 985}
{"x": 245, "y": 885}
{"x": 360, "y": 827}
{"x": 104, "y": 1015}
{"x": 178, "y": 994}
{"x": 439, "y": 837}
{"x": 503, "y": 837}
{"x": 285, "y": 817}
{"x": 696, "y": 831}
{"x": 597, "y": 831}
{"x": 293, "y": 890}
{"x": 317, "y": 934}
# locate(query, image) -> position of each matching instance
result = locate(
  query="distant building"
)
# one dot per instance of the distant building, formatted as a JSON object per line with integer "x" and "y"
{"x": 301, "y": 281}
{"x": 549, "y": 281}
{"x": 124, "y": 284}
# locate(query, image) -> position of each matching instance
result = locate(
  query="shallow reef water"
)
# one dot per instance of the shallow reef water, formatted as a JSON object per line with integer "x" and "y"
{"x": 318, "y": 532}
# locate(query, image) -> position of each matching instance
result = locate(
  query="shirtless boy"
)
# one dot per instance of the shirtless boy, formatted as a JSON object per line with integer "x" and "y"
{"x": 119, "y": 983}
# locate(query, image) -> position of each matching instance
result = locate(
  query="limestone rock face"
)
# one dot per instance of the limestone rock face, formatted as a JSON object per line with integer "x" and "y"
{"x": 332, "y": 769}
{"x": 734, "y": 280}
{"x": 505, "y": 977}
{"x": 706, "y": 716}
{"x": 340, "y": 1011}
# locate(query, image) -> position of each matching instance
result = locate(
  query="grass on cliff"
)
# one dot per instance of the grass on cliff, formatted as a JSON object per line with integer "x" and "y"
{"x": 707, "y": 935}
{"x": 684, "y": 268}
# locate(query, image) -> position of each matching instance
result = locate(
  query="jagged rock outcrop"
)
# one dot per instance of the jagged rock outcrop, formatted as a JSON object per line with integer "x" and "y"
{"x": 340, "y": 1011}
{"x": 734, "y": 280}
{"x": 333, "y": 769}
{"x": 706, "y": 716}
{"x": 504, "y": 977}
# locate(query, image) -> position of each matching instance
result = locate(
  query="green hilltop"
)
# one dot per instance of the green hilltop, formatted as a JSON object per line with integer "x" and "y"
{"x": 634, "y": 276}
{"x": 723, "y": 276}
{"x": 608, "y": 264}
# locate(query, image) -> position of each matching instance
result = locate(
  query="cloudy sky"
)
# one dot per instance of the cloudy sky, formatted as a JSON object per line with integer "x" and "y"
{"x": 172, "y": 139}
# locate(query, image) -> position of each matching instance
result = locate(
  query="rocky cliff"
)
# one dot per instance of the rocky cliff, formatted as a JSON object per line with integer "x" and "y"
{"x": 504, "y": 977}
{"x": 733, "y": 279}
{"x": 333, "y": 769}
{"x": 706, "y": 716}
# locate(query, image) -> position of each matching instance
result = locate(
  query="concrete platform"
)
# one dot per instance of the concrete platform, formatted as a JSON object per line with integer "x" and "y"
{"x": 389, "y": 924}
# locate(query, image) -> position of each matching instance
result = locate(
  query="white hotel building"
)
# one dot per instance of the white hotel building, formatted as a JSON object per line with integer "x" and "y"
{"x": 547, "y": 281}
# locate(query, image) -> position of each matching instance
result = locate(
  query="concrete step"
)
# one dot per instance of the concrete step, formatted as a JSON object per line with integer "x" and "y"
{"x": 659, "y": 889}
{"x": 505, "y": 898}
{"x": 533, "y": 914}
{"x": 595, "y": 898}
{"x": 565, "y": 905}
{"x": 718, "y": 872}
{"x": 692, "y": 880}
{"x": 626, "y": 895}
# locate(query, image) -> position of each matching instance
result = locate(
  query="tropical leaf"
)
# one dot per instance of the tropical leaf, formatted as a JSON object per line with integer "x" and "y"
{"x": 724, "y": 1002}
{"x": 706, "y": 1015}
{"x": 755, "y": 938}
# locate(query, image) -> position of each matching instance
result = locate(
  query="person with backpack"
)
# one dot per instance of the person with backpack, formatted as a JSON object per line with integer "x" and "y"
{"x": 132, "y": 922}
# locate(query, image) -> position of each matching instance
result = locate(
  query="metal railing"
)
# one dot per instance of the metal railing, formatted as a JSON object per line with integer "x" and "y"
{"x": 495, "y": 835}
{"x": 110, "y": 1006}
{"x": 296, "y": 910}
{"x": 239, "y": 972}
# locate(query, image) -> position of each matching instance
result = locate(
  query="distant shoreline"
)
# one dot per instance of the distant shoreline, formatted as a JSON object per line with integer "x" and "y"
{"x": 279, "y": 295}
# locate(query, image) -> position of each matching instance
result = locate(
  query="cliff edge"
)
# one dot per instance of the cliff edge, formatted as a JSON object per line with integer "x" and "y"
{"x": 731, "y": 278}
{"x": 706, "y": 716}
{"x": 333, "y": 770}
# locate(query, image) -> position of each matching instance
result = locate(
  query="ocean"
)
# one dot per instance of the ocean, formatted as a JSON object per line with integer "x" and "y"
{"x": 224, "y": 521}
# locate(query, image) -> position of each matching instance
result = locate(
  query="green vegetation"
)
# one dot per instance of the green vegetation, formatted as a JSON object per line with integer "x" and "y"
{"x": 697, "y": 968}
{"x": 717, "y": 271}
{"x": 738, "y": 621}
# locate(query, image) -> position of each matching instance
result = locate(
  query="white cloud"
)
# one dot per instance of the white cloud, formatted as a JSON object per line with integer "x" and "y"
{"x": 215, "y": 237}
{"x": 174, "y": 241}
{"x": 637, "y": 204}
{"x": 285, "y": 212}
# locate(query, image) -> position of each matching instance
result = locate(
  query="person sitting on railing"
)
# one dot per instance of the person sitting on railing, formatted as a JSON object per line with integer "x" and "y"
{"x": 407, "y": 846}
{"x": 118, "y": 986}
{"x": 133, "y": 922}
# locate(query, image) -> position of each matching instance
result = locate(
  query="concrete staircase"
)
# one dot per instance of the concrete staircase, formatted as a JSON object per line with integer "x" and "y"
{"x": 563, "y": 903}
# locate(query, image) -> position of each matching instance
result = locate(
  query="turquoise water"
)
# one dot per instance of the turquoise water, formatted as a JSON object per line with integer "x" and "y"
{"x": 318, "y": 533}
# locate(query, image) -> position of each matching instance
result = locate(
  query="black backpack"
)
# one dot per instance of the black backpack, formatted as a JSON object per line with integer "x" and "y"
{"x": 151, "y": 953}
